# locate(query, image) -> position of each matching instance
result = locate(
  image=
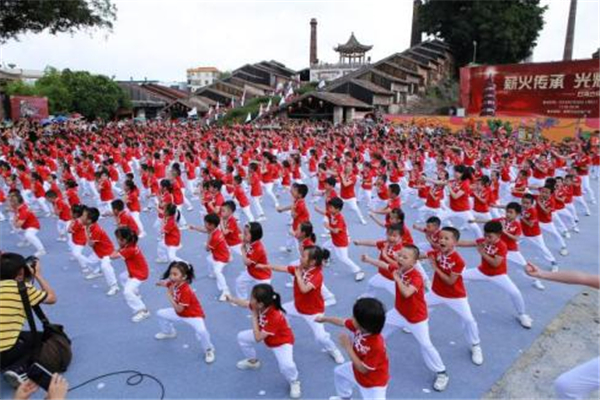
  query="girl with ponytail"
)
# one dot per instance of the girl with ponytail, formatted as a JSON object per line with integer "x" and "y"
{"x": 269, "y": 325}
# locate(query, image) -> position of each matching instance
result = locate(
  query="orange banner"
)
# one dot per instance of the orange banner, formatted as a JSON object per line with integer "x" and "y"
{"x": 555, "y": 129}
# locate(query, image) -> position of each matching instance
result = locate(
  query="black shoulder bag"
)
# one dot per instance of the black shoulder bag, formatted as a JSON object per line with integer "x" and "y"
{"x": 52, "y": 348}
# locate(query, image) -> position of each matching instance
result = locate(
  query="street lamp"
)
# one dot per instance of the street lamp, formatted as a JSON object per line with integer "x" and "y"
{"x": 474, "y": 50}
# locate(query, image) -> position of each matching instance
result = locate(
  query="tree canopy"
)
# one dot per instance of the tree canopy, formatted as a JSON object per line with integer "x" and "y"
{"x": 76, "y": 91}
{"x": 21, "y": 16}
{"x": 505, "y": 31}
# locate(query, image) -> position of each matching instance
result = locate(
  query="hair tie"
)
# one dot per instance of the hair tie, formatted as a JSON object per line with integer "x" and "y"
{"x": 275, "y": 297}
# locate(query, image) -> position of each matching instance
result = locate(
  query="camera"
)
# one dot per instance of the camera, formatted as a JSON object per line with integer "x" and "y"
{"x": 31, "y": 263}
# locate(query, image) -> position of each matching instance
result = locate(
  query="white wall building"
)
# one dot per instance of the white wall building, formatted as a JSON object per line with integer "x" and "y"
{"x": 201, "y": 76}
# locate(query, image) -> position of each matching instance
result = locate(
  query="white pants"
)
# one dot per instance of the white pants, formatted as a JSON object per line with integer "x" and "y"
{"x": 166, "y": 317}
{"x": 539, "y": 243}
{"x": 345, "y": 382}
{"x": 463, "y": 309}
{"x": 284, "y": 354}
{"x": 567, "y": 219}
{"x": 61, "y": 228}
{"x": 268, "y": 187}
{"x": 30, "y": 235}
{"x": 43, "y": 204}
{"x": 131, "y": 292}
{"x": 138, "y": 221}
{"x": 322, "y": 337}
{"x": 243, "y": 281}
{"x": 579, "y": 382}
{"x": 255, "y": 201}
{"x": 106, "y": 267}
{"x": 168, "y": 253}
{"x": 217, "y": 270}
{"x": 584, "y": 204}
{"x": 394, "y": 321}
{"x": 248, "y": 213}
{"x": 366, "y": 195}
{"x": 353, "y": 204}
{"x": 425, "y": 212}
{"x": 379, "y": 281}
{"x": 341, "y": 253}
{"x": 551, "y": 229}
{"x": 587, "y": 188}
{"x": 77, "y": 251}
{"x": 503, "y": 282}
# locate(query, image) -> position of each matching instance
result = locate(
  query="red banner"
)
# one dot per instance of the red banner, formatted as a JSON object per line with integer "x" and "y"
{"x": 28, "y": 107}
{"x": 569, "y": 89}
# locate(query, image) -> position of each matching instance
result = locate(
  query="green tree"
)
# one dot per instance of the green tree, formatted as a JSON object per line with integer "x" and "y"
{"x": 51, "y": 85}
{"x": 505, "y": 31}
{"x": 21, "y": 16}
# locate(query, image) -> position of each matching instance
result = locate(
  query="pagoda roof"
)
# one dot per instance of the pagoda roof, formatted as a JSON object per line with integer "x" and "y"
{"x": 352, "y": 46}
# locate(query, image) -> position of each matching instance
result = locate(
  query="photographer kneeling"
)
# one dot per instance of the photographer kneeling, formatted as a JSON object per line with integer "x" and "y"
{"x": 17, "y": 346}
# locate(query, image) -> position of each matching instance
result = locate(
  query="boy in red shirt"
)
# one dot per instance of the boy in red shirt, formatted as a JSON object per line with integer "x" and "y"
{"x": 410, "y": 309}
{"x": 368, "y": 368}
{"x": 493, "y": 268}
{"x": 448, "y": 287}
{"x": 26, "y": 223}
{"x": 62, "y": 212}
{"x": 106, "y": 192}
{"x": 338, "y": 243}
{"x": 532, "y": 232}
{"x": 299, "y": 212}
{"x": 122, "y": 217}
{"x": 347, "y": 191}
{"x": 100, "y": 243}
{"x": 242, "y": 199}
{"x": 219, "y": 255}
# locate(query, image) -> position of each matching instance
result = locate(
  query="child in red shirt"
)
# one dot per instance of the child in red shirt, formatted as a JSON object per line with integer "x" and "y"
{"x": 336, "y": 225}
{"x": 269, "y": 325}
{"x": 299, "y": 212}
{"x": 78, "y": 238}
{"x": 62, "y": 212}
{"x": 368, "y": 368}
{"x": 410, "y": 309}
{"x": 135, "y": 274}
{"x": 242, "y": 199}
{"x": 171, "y": 236}
{"x": 27, "y": 224}
{"x": 185, "y": 307}
{"x": 100, "y": 243}
{"x": 253, "y": 255}
{"x": 219, "y": 255}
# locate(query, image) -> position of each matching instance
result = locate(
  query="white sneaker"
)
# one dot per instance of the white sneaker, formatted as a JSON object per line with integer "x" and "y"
{"x": 525, "y": 321}
{"x": 337, "y": 356}
{"x": 93, "y": 275}
{"x": 587, "y": 213}
{"x": 40, "y": 253}
{"x": 113, "y": 290}
{"x": 209, "y": 356}
{"x": 325, "y": 235}
{"x": 567, "y": 235}
{"x": 538, "y": 285}
{"x": 223, "y": 296}
{"x": 406, "y": 330}
{"x": 330, "y": 301}
{"x": 190, "y": 208}
{"x": 164, "y": 336}
{"x": 564, "y": 251}
{"x": 262, "y": 218}
{"x": 161, "y": 261}
{"x": 289, "y": 284}
{"x": 363, "y": 222}
{"x": 140, "y": 316}
{"x": 284, "y": 249}
{"x": 359, "y": 276}
{"x": 142, "y": 235}
{"x": 441, "y": 382}
{"x": 477, "y": 355}
{"x": 295, "y": 391}
{"x": 61, "y": 239}
{"x": 23, "y": 244}
{"x": 576, "y": 229}
{"x": 554, "y": 267}
{"x": 246, "y": 364}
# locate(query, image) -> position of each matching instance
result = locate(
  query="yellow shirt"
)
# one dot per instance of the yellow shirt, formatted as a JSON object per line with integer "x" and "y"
{"x": 12, "y": 313}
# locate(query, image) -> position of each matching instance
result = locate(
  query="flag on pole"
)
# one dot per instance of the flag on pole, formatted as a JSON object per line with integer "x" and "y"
{"x": 282, "y": 101}
{"x": 217, "y": 107}
{"x": 232, "y": 102}
{"x": 210, "y": 111}
{"x": 269, "y": 104}
{"x": 290, "y": 92}
{"x": 193, "y": 112}
{"x": 248, "y": 118}
{"x": 279, "y": 88}
{"x": 260, "y": 110}
{"x": 243, "y": 101}
{"x": 321, "y": 84}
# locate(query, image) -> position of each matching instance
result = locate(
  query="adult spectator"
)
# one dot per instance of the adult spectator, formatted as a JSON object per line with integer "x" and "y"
{"x": 17, "y": 345}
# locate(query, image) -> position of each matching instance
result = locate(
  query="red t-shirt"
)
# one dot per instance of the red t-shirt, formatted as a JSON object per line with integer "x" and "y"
{"x": 218, "y": 246}
{"x": 274, "y": 323}
{"x": 106, "y": 193}
{"x": 101, "y": 245}
{"x": 133, "y": 201}
{"x": 371, "y": 351}
{"x": 530, "y": 215}
{"x": 137, "y": 267}
{"x": 347, "y": 191}
{"x": 390, "y": 250}
{"x": 543, "y": 216}
{"x": 448, "y": 263}
{"x": 257, "y": 254}
{"x": 29, "y": 219}
{"x": 460, "y": 203}
{"x": 413, "y": 308}
{"x": 172, "y": 232}
{"x": 512, "y": 228}
{"x": 240, "y": 196}
{"x": 185, "y": 296}
{"x": 78, "y": 234}
{"x": 300, "y": 213}
{"x": 482, "y": 206}
{"x": 310, "y": 303}
{"x": 233, "y": 236}
{"x": 72, "y": 196}
{"x": 62, "y": 210}
{"x": 124, "y": 219}
{"x": 339, "y": 239}
{"x": 493, "y": 250}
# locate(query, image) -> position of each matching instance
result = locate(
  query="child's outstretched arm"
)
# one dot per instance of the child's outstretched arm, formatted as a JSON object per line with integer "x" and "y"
{"x": 237, "y": 301}
{"x": 278, "y": 268}
{"x": 568, "y": 277}
{"x": 331, "y": 320}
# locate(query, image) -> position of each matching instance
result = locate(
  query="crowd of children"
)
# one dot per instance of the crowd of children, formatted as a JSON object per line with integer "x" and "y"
{"x": 492, "y": 193}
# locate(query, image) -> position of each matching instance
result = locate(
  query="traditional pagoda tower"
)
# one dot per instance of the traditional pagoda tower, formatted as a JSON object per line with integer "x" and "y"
{"x": 352, "y": 52}
{"x": 488, "y": 104}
